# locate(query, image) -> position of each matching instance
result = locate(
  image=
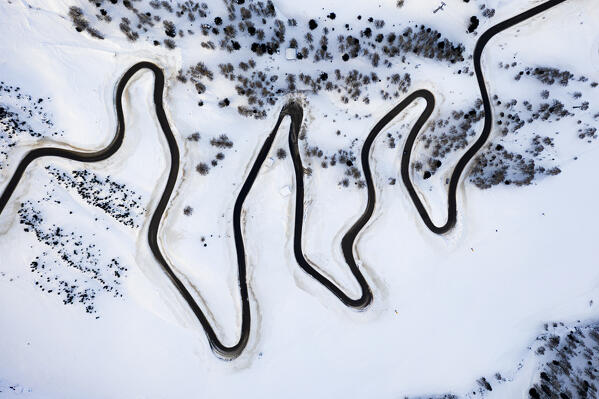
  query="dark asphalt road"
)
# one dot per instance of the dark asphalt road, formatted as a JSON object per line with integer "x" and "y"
{"x": 295, "y": 112}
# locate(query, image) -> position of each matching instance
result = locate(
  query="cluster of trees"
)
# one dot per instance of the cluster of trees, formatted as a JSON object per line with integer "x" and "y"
{"x": 497, "y": 165}
{"x": 221, "y": 142}
{"x": 21, "y": 113}
{"x": 82, "y": 24}
{"x": 420, "y": 40}
{"x": 570, "y": 363}
{"x": 73, "y": 268}
{"x": 199, "y": 75}
{"x": 447, "y": 134}
{"x": 344, "y": 158}
{"x": 255, "y": 26}
{"x": 116, "y": 199}
{"x": 547, "y": 75}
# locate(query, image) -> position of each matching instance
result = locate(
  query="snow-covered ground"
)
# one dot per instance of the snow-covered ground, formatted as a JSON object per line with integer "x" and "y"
{"x": 447, "y": 311}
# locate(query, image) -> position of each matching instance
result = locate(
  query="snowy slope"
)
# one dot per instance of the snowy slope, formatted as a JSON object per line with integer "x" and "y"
{"x": 447, "y": 309}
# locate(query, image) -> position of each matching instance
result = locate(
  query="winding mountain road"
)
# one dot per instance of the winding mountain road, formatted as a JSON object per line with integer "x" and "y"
{"x": 295, "y": 112}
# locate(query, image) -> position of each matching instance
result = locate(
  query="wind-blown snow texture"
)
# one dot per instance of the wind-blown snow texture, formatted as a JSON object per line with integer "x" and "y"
{"x": 504, "y": 306}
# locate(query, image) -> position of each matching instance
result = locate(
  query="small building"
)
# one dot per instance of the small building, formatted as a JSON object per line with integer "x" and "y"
{"x": 285, "y": 191}
{"x": 291, "y": 53}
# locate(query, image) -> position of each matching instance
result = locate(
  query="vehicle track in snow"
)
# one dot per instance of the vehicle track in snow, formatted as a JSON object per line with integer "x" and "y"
{"x": 295, "y": 112}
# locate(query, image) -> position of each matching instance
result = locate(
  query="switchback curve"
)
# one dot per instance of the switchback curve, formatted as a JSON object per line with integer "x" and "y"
{"x": 484, "y": 136}
{"x": 349, "y": 238}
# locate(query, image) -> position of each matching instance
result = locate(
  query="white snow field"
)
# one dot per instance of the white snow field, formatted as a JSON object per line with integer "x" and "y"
{"x": 87, "y": 311}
